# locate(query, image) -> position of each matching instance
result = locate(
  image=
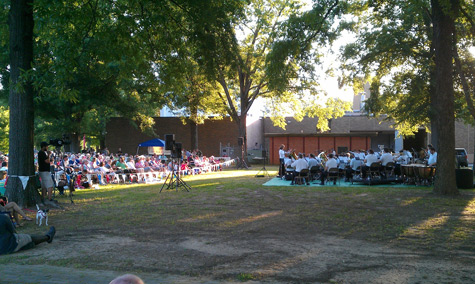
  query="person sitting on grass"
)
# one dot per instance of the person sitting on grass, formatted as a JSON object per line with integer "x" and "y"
{"x": 11, "y": 242}
{"x": 14, "y": 209}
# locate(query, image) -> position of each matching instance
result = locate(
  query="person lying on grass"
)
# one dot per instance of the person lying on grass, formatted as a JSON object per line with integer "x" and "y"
{"x": 11, "y": 242}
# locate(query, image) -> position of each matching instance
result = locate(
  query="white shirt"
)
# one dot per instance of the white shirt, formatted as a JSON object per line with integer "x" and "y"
{"x": 354, "y": 163}
{"x": 386, "y": 158}
{"x": 361, "y": 155}
{"x": 331, "y": 163}
{"x": 281, "y": 154}
{"x": 432, "y": 159}
{"x": 371, "y": 158}
{"x": 312, "y": 162}
{"x": 287, "y": 161}
{"x": 402, "y": 159}
{"x": 343, "y": 162}
{"x": 299, "y": 165}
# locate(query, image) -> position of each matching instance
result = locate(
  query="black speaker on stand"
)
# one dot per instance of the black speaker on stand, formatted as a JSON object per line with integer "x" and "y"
{"x": 169, "y": 141}
{"x": 177, "y": 152}
{"x": 174, "y": 178}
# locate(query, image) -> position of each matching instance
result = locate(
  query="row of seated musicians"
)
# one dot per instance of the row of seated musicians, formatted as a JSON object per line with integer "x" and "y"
{"x": 358, "y": 168}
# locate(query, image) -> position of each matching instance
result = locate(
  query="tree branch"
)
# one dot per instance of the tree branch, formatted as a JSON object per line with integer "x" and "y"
{"x": 327, "y": 14}
{"x": 254, "y": 95}
{"x": 230, "y": 103}
{"x": 466, "y": 89}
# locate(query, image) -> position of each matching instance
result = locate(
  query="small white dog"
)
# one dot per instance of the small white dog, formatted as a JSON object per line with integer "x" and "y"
{"x": 40, "y": 215}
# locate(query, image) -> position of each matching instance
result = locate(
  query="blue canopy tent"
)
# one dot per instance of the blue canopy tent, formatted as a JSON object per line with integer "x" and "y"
{"x": 152, "y": 143}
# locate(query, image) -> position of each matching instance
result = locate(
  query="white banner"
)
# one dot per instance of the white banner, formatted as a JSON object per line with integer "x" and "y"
{"x": 24, "y": 180}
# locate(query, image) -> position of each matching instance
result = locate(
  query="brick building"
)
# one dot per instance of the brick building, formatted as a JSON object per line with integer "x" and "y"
{"x": 212, "y": 135}
{"x": 350, "y": 132}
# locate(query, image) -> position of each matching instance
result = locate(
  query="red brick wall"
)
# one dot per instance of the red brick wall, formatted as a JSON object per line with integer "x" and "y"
{"x": 342, "y": 142}
{"x": 358, "y": 143}
{"x": 274, "y": 144}
{"x": 311, "y": 144}
{"x": 326, "y": 143}
{"x": 214, "y": 132}
{"x": 296, "y": 143}
{"x": 121, "y": 133}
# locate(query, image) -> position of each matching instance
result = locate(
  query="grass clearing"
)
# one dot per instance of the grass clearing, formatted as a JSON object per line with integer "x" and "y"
{"x": 217, "y": 229}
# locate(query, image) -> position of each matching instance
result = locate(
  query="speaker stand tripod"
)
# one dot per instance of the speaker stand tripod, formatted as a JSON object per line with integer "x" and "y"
{"x": 263, "y": 170}
{"x": 242, "y": 163}
{"x": 174, "y": 180}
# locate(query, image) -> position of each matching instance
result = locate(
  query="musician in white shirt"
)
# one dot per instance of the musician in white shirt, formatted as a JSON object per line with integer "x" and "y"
{"x": 287, "y": 161}
{"x": 386, "y": 157}
{"x": 432, "y": 158}
{"x": 331, "y": 163}
{"x": 369, "y": 159}
{"x": 355, "y": 162}
{"x": 360, "y": 154}
{"x": 403, "y": 158}
{"x": 299, "y": 165}
{"x": 281, "y": 160}
{"x": 312, "y": 162}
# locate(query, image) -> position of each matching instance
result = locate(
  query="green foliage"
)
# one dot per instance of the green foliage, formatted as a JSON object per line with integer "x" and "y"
{"x": 394, "y": 52}
{"x": 4, "y": 52}
{"x": 293, "y": 54}
{"x": 267, "y": 53}
{"x": 90, "y": 66}
{"x": 4, "y": 128}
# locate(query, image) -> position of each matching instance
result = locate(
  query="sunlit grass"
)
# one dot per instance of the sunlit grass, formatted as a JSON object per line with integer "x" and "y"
{"x": 426, "y": 227}
{"x": 233, "y": 202}
{"x": 241, "y": 221}
{"x": 410, "y": 201}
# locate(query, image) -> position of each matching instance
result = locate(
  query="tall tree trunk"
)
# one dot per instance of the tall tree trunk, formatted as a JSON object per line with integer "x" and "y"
{"x": 102, "y": 142}
{"x": 243, "y": 119}
{"x": 194, "y": 101}
{"x": 194, "y": 135}
{"x": 432, "y": 95}
{"x": 443, "y": 103}
{"x": 74, "y": 146}
{"x": 243, "y": 133}
{"x": 21, "y": 105}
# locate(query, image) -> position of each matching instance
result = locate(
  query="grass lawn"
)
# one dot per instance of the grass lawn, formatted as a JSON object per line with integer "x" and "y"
{"x": 230, "y": 227}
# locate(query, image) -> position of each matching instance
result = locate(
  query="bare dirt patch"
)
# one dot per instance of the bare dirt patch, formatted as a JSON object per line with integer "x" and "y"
{"x": 245, "y": 232}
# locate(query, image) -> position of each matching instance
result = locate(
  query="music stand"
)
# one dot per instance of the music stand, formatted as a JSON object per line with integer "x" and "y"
{"x": 263, "y": 170}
